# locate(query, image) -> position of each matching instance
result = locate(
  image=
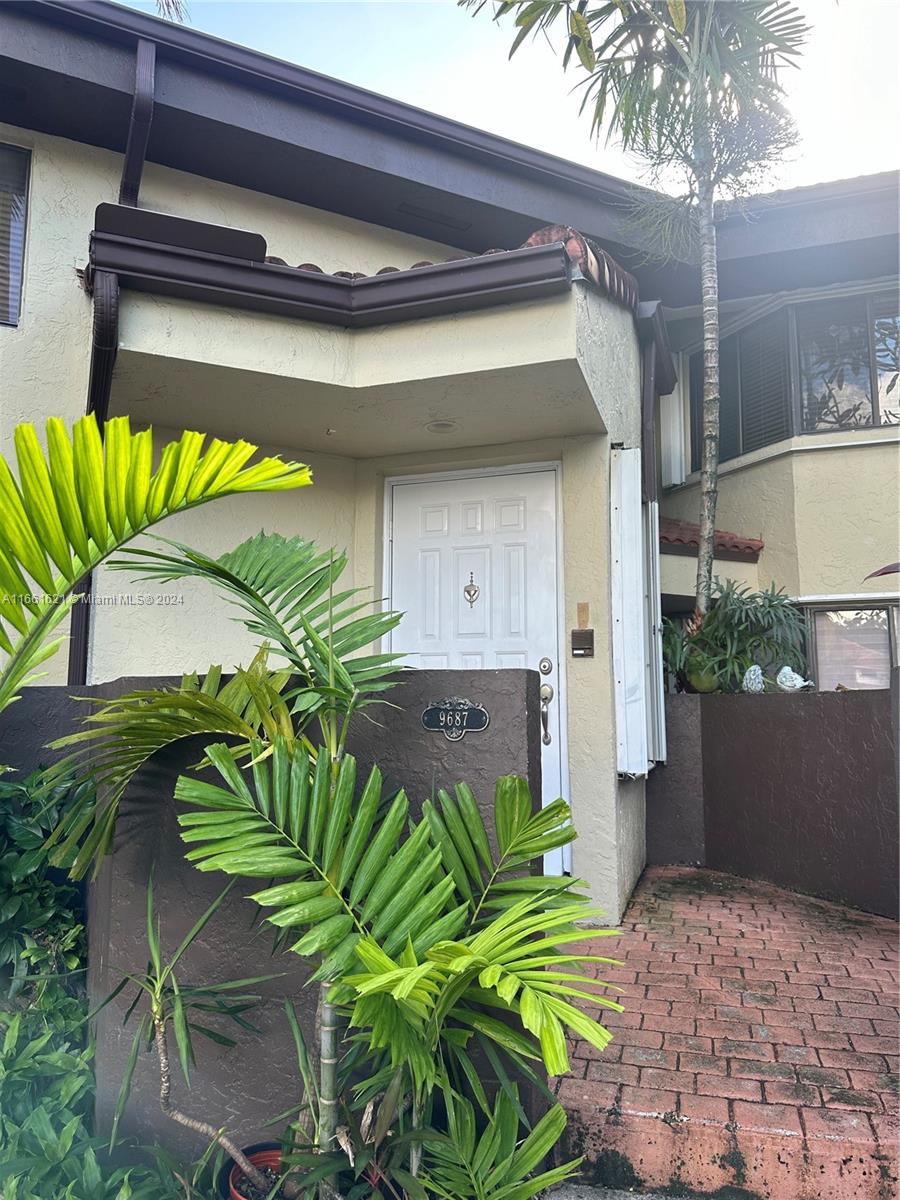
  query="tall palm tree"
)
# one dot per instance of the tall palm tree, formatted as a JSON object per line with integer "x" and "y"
{"x": 691, "y": 86}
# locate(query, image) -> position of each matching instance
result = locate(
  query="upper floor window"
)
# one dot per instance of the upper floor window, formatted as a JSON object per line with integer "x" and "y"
{"x": 14, "y": 163}
{"x": 811, "y": 367}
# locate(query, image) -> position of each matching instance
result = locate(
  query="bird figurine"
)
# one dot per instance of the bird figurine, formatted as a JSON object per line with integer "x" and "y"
{"x": 753, "y": 681}
{"x": 790, "y": 681}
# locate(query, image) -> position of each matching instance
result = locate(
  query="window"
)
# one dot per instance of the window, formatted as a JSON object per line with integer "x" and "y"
{"x": 852, "y": 647}
{"x": 835, "y": 371}
{"x": 13, "y": 198}
{"x": 811, "y": 367}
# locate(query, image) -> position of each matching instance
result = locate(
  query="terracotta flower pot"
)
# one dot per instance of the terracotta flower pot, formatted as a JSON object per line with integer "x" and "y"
{"x": 263, "y": 1154}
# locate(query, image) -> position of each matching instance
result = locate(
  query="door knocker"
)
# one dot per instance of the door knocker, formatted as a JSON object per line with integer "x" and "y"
{"x": 471, "y": 591}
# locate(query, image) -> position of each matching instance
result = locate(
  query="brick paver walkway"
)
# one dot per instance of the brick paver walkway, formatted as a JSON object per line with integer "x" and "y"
{"x": 757, "y": 1053}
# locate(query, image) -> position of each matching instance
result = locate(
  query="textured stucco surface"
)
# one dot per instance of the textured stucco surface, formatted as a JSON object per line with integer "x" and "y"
{"x": 678, "y": 573}
{"x": 802, "y": 791}
{"x": 582, "y": 348}
{"x": 675, "y": 825}
{"x": 797, "y": 790}
{"x": 828, "y": 514}
{"x": 45, "y": 360}
{"x": 250, "y": 1084}
{"x": 188, "y": 625}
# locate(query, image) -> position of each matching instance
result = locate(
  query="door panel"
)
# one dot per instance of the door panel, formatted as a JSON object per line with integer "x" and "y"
{"x": 473, "y": 564}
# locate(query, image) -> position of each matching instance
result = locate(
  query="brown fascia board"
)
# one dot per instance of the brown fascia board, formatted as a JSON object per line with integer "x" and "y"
{"x": 115, "y": 22}
{"x": 175, "y": 268}
{"x": 652, "y": 329}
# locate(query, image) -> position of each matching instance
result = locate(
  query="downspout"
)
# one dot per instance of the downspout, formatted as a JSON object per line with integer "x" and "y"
{"x": 104, "y": 288}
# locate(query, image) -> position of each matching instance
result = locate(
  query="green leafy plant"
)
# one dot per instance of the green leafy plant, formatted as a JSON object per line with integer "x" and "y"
{"x": 460, "y": 1165}
{"x": 288, "y": 591}
{"x": 458, "y": 944}
{"x": 47, "y": 1146}
{"x": 375, "y": 899}
{"x": 40, "y": 934}
{"x": 71, "y": 509}
{"x": 743, "y": 628}
{"x": 185, "y": 1010}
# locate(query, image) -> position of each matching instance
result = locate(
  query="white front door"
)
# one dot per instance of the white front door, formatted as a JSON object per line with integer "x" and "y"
{"x": 473, "y": 565}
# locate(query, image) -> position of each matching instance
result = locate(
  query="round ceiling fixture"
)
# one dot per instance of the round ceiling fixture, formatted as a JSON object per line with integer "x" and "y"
{"x": 442, "y": 426}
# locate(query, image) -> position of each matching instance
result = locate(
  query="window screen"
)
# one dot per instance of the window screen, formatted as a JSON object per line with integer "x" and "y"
{"x": 835, "y": 379}
{"x": 886, "y": 344}
{"x": 853, "y": 649}
{"x": 13, "y": 192}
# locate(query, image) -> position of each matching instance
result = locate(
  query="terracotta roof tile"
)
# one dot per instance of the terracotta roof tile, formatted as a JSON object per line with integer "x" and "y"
{"x": 673, "y": 532}
{"x": 594, "y": 264}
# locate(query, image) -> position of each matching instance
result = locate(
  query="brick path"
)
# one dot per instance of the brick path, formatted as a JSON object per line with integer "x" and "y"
{"x": 757, "y": 1053}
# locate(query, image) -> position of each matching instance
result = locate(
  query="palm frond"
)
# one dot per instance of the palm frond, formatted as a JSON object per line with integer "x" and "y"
{"x": 485, "y": 879}
{"x": 71, "y": 509}
{"x": 511, "y": 965}
{"x": 461, "y": 1165}
{"x": 123, "y": 734}
{"x": 287, "y": 590}
{"x": 346, "y": 874}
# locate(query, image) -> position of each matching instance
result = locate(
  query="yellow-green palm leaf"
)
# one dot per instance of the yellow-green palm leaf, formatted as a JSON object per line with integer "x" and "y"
{"x": 85, "y": 497}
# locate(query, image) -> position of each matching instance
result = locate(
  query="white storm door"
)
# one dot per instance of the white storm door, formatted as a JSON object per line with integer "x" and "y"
{"x": 473, "y": 565}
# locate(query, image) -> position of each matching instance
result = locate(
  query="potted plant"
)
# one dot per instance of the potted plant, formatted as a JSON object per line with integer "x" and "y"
{"x": 742, "y": 629}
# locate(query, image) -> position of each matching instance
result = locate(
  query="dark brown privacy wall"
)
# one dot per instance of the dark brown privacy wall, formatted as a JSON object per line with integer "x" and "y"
{"x": 246, "y": 1087}
{"x": 798, "y": 790}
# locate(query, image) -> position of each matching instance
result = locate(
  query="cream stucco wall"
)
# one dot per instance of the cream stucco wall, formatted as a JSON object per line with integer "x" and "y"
{"x": 826, "y": 508}
{"x": 345, "y": 507}
{"x": 44, "y": 370}
{"x": 167, "y": 629}
{"x": 45, "y": 359}
{"x": 678, "y": 573}
{"x": 609, "y": 814}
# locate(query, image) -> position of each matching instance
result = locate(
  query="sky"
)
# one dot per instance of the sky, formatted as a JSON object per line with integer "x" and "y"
{"x": 845, "y": 95}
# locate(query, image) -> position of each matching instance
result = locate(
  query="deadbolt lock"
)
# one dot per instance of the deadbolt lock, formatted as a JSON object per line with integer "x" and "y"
{"x": 545, "y": 666}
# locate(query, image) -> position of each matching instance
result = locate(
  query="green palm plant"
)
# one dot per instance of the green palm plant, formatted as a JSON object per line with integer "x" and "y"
{"x": 460, "y": 1165}
{"x": 288, "y": 593}
{"x": 351, "y": 879}
{"x": 71, "y": 509}
{"x": 121, "y": 735}
{"x": 354, "y": 888}
{"x": 171, "y": 1006}
{"x": 691, "y": 87}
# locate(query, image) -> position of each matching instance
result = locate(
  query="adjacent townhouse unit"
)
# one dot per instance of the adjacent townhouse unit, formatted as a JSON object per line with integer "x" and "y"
{"x": 465, "y": 338}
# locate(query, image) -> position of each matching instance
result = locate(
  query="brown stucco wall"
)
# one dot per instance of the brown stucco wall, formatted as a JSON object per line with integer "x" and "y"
{"x": 247, "y": 1086}
{"x": 675, "y": 829}
{"x": 798, "y": 790}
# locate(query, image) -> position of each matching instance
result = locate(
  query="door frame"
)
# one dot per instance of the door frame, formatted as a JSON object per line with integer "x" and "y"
{"x": 554, "y": 466}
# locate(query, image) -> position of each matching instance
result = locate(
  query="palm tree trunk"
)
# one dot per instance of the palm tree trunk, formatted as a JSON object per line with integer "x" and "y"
{"x": 709, "y": 465}
{"x": 261, "y": 1182}
{"x": 328, "y": 1099}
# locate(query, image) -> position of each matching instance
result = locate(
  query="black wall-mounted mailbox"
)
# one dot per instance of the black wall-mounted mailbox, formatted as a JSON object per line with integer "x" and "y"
{"x": 582, "y": 643}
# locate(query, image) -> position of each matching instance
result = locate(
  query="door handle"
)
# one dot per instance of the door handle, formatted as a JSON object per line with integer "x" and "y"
{"x": 546, "y": 697}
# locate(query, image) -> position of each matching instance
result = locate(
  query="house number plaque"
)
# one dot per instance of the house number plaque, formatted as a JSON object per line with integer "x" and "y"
{"x": 454, "y": 717}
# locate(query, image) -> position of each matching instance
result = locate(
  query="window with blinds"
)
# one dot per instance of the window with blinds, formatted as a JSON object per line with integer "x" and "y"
{"x": 14, "y": 162}
{"x": 765, "y": 403}
{"x": 852, "y": 649}
{"x": 810, "y": 367}
{"x": 754, "y": 400}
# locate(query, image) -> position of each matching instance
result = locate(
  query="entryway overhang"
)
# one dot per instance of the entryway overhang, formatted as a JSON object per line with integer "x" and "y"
{"x": 476, "y": 351}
